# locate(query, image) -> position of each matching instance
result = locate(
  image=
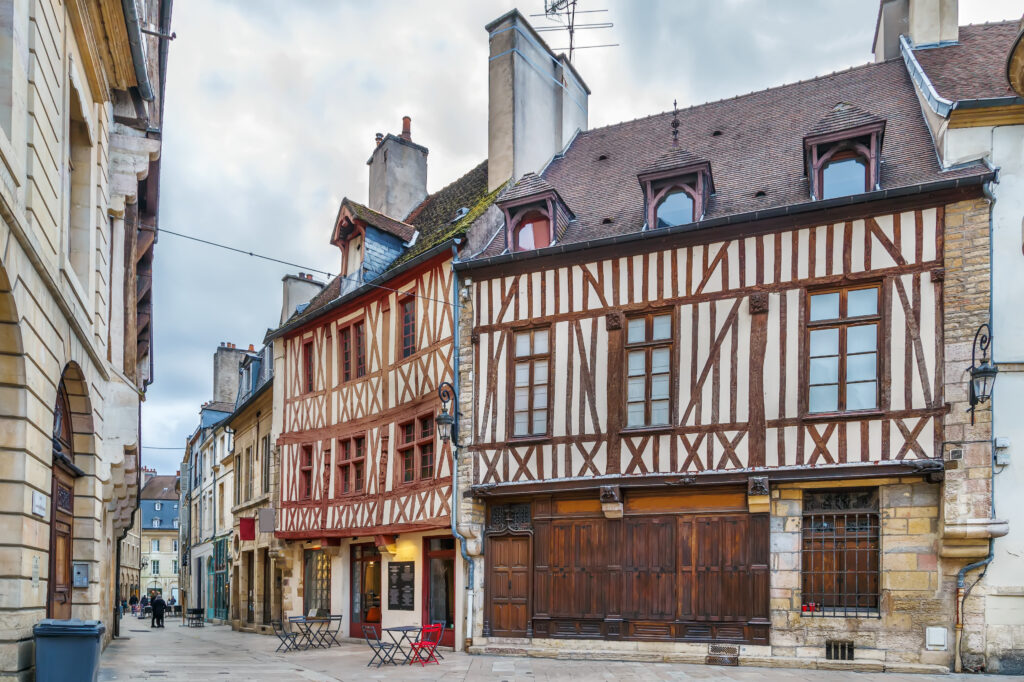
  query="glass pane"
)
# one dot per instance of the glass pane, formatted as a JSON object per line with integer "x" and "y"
{"x": 441, "y": 607}
{"x": 637, "y": 362}
{"x": 659, "y": 360}
{"x": 540, "y": 372}
{"x": 675, "y": 209}
{"x": 824, "y": 370}
{"x": 637, "y": 387}
{"x": 843, "y": 178}
{"x": 522, "y": 345}
{"x": 524, "y": 236}
{"x": 540, "y": 342}
{"x": 635, "y": 414}
{"x": 861, "y": 339}
{"x": 662, "y": 327}
{"x": 540, "y": 396}
{"x": 823, "y": 399}
{"x": 862, "y": 302}
{"x": 540, "y": 421}
{"x": 861, "y": 395}
{"x": 825, "y": 306}
{"x": 860, "y": 367}
{"x": 522, "y": 398}
{"x": 522, "y": 424}
{"x": 659, "y": 387}
{"x": 824, "y": 342}
{"x": 637, "y": 331}
{"x": 659, "y": 412}
{"x": 522, "y": 374}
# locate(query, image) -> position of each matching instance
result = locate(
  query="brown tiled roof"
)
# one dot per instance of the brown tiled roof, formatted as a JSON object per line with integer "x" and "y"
{"x": 527, "y": 186}
{"x": 974, "y": 68}
{"x": 434, "y": 219}
{"x": 159, "y": 488}
{"x": 843, "y": 117}
{"x": 220, "y": 406}
{"x": 759, "y": 148}
{"x": 677, "y": 158}
{"x": 382, "y": 222}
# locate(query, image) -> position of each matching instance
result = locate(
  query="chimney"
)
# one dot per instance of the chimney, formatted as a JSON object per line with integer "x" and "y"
{"x": 536, "y": 100}
{"x": 378, "y": 139}
{"x": 251, "y": 348}
{"x": 297, "y": 290}
{"x": 924, "y": 22}
{"x": 225, "y": 373}
{"x": 398, "y": 174}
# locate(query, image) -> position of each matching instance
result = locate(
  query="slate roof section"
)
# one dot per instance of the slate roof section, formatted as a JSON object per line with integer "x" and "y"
{"x": 759, "y": 149}
{"x": 382, "y": 222}
{"x": 677, "y": 158}
{"x": 159, "y": 488}
{"x": 843, "y": 116}
{"x": 975, "y": 67}
{"x": 529, "y": 185}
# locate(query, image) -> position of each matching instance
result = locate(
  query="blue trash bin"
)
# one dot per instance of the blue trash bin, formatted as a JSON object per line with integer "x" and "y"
{"x": 68, "y": 650}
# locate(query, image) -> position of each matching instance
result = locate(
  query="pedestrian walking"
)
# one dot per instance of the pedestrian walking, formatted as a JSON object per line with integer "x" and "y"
{"x": 134, "y": 603}
{"x": 159, "y": 606}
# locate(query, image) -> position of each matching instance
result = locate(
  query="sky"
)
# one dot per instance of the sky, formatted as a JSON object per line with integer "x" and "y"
{"x": 272, "y": 106}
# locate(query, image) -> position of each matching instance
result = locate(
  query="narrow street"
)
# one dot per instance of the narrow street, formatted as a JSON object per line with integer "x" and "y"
{"x": 215, "y": 652}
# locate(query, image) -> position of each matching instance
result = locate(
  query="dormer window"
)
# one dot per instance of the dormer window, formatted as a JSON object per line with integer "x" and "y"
{"x": 677, "y": 188}
{"x": 842, "y": 153}
{"x": 531, "y": 231}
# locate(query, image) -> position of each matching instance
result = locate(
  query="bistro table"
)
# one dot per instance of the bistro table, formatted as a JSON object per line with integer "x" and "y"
{"x": 311, "y": 631}
{"x": 403, "y": 635}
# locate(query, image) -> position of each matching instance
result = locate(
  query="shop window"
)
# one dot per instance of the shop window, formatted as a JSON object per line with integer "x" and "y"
{"x": 316, "y": 596}
{"x": 842, "y": 349}
{"x": 416, "y": 449}
{"x": 840, "y": 553}
{"x": 648, "y": 368}
{"x": 531, "y": 383}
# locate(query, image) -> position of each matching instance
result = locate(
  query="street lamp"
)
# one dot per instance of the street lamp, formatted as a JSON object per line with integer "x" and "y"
{"x": 446, "y": 420}
{"x": 983, "y": 374}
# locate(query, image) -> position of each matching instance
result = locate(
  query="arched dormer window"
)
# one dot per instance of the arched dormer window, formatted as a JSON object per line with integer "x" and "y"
{"x": 531, "y": 231}
{"x": 674, "y": 206}
{"x": 842, "y": 154}
{"x": 844, "y": 171}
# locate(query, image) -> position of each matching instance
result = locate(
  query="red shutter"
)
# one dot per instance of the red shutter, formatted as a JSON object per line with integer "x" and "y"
{"x": 247, "y": 529}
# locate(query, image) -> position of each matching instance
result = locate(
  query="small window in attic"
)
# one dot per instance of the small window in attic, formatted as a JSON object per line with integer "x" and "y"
{"x": 844, "y": 176}
{"x": 532, "y": 231}
{"x": 843, "y": 153}
{"x": 676, "y": 208}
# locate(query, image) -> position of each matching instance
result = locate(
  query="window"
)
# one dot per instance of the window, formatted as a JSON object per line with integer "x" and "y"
{"x": 307, "y": 363}
{"x": 648, "y": 366}
{"x": 317, "y": 581}
{"x": 266, "y": 463}
{"x": 248, "y": 473}
{"x": 78, "y": 189}
{"x": 530, "y": 368}
{"x": 306, "y": 472}
{"x": 842, "y": 347}
{"x": 840, "y": 553}
{"x": 174, "y": 566}
{"x": 175, "y": 506}
{"x": 351, "y": 462}
{"x": 238, "y": 479}
{"x": 353, "y": 351}
{"x": 174, "y": 544}
{"x": 676, "y": 208}
{"x": 532, "y": 231}
{"x": 175, "y": 523}
{"x": 154, "y": 545}
{"x": 408, "y": 327}
{"x": 157, "y": 506}
{"x": 156, "y": 566}
{"x": 843, "y": 175}
{"x": 416, "y": 449}
{"x": 156, "y": 523}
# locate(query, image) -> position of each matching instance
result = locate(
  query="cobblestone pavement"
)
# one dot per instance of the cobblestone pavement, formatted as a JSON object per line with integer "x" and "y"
{"x": 217, "y": 653}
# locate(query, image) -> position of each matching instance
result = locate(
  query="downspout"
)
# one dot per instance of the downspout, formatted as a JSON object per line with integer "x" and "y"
{"x": 470, "y": 577}
{"x": 133, "y": 24}
{"x": 961, "y": 581}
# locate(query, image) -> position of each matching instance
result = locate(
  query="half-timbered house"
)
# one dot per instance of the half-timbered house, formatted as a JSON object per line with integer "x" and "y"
{"x": 709, "y": 384}
{"x": 365, "y": 481}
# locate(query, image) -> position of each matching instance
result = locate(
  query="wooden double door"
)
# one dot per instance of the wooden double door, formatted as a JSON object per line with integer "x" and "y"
{"x": 647, "y": 576}
{"x": 59, "y": 585}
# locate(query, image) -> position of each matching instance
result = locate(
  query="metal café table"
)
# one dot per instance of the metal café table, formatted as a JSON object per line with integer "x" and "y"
{"x": 403, "y": 635}
{"x": 311, "y": 630}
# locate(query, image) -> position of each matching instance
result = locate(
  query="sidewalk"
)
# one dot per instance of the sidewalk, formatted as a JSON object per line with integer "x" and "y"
{"x": 215, "y": 652}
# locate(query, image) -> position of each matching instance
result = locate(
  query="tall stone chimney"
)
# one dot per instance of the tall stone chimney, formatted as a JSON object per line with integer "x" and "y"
{"x": 398, "y": 173}
{"x": 296, "y": 290}
{"x": 924, "y": 22}
{"x": 536, "y": 100}
{"x": 226, "y": 361}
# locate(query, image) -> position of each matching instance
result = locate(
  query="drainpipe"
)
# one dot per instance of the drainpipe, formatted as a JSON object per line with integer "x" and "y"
{"x": 961, "y": 596}
{"x": 470, "y": 577}
{"x": 133, "y": 24}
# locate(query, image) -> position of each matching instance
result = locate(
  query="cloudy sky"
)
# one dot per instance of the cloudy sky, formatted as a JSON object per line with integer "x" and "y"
{"x": 272, "y": 106}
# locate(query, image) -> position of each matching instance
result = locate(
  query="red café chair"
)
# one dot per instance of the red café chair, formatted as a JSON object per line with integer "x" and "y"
{"x": 425, "y": 648}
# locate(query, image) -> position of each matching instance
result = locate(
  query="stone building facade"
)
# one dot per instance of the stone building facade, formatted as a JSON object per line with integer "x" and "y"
{"x": 81, "y": 102}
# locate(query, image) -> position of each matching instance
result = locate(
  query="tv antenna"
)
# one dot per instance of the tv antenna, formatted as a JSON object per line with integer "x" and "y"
{"x": 563, "y": 14}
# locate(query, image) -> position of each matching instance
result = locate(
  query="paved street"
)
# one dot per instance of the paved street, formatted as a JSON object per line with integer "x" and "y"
{"x": 218, "y": 653}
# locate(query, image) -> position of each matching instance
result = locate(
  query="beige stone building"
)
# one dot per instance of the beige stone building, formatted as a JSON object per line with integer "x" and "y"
{"x": 158, "y": 507}
{"x": 80, "y": 118}
{"x": 130, "y": 559}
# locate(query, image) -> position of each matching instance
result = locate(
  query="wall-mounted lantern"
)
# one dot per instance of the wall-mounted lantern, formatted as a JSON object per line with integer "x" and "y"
{"x": 446, "y": 420}
{"x": 983, "y": 374}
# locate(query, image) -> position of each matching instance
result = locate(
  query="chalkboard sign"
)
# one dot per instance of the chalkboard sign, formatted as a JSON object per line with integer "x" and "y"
{"x": 402, "y": 585}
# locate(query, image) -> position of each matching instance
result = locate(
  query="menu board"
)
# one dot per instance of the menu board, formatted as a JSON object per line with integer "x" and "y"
{"x": 401, "y": 585}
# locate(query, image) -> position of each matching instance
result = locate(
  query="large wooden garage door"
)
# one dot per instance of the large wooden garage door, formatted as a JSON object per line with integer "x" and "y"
{"x": 685, "y": 576}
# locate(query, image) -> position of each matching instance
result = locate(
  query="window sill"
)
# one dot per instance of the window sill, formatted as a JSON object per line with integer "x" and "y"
{"x": 647, "y": 430}
{"x": 529, "y": 440}
{"x": 842, "y": 416}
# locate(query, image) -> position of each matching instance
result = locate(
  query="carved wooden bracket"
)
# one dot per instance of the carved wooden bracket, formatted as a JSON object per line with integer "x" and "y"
{"x": 613, "y": 320}
{"x": 474, "y": 337}
{"x": 939, "y": 275}
{"x": 611, "y": 501}
{"x": 759, "y": 302}
{"x": 757, "y": 485}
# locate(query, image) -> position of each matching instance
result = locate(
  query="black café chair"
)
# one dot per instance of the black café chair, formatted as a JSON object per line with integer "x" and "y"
{"x": 331, "y": 635}
{"x": 288, "y": 638}
{"x": 439, "y": 635}
{"x": 384, "y": 652}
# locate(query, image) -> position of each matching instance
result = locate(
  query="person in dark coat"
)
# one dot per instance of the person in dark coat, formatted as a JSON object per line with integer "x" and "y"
{"x": 159, "y": 606}
{"x": 134, "y": 602}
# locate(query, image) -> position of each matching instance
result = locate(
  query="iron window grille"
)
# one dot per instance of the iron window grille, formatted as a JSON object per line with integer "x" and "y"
{"x": 841, "y": 554}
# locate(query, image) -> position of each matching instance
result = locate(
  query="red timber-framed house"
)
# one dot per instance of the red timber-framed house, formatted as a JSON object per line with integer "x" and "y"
{"x": 706, "y": 409}
{"x": 366, "y": 483}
